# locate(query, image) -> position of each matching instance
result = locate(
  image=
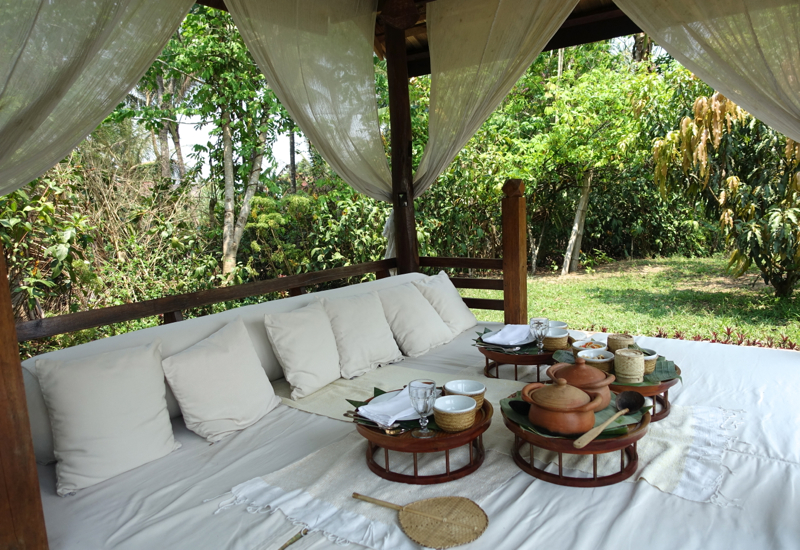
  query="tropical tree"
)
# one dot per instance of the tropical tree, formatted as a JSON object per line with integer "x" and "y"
{"x": 746, "y": 174}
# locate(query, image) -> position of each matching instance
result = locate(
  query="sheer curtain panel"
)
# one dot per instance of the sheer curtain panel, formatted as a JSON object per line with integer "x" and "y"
{"x": 317, "y": 57}
{"x": 749, "y": 50}
{"x": 64, "y": 66}
{"x": 479, "y": 49}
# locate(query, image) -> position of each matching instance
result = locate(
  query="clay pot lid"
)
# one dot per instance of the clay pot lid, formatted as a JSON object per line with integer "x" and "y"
{"x": 560, "y": 396}
{"x": 580, "y": 374}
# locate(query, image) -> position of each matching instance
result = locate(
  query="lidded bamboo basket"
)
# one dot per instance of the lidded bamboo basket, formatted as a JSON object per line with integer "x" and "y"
{"x": 629, "y": 366}
{"x": 619, "y": 341}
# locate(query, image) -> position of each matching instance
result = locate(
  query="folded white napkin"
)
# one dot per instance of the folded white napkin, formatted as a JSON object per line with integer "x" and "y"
{"x": 510, "y": 335}
{"x": 389, "y": 411}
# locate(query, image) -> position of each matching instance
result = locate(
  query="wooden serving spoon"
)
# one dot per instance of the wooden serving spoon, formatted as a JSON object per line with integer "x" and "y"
{"x": 626, "y": 401}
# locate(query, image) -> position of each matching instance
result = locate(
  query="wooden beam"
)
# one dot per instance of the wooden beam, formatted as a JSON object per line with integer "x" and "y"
{"x": 472, "y": 282}
{"x": 602, "y": 25}
{"x": 484, "y": 303}
{"x": 21, "y": 516}
{"x": 400, "y": 117}
{"x": 515, "y": 255}
{"x": 50, "y": 326}
{"x": 462, "y": 263}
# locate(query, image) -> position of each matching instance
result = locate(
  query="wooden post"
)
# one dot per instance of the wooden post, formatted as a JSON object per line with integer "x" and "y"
{"x": 515, "y": 259}
{"x": 400, "y": 117}
{"x": 21, "y": 516}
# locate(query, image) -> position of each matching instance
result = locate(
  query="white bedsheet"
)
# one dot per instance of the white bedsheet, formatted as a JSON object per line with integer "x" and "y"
{"x": 160, "y": 504}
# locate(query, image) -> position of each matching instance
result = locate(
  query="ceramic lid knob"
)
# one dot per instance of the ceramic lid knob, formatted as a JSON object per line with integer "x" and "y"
{"x": 560, "y": 396}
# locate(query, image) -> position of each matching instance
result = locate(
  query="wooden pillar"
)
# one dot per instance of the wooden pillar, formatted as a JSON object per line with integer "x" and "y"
{"x": 21, "y": 516}
{"x": 515, "y": 256}
{"x": 400, "y": 117}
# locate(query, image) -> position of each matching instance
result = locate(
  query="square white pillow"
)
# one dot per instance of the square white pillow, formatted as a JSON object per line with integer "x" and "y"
{"x": 304, "y": 344}
{"x": 220, "y": 384}
{"x": 415, "y": 324}
{"x": 363, "y": 337}
{"x": 445, "y": 299}
{"x": 108, "y": 413}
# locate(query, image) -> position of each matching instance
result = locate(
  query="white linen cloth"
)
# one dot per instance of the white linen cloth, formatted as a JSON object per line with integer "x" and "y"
{"x": 317, "y": 491}
{"x": 509, "y": 335}
{"x": 317, "y": 57}
{"x": 65, "y": 66}
{"x": 389, "y": 411}
{"x": 749, "y": 50}
{"x": 478, "y": 50}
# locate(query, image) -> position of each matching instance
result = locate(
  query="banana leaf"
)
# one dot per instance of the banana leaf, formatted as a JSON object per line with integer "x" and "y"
{"x": 665, "y": 370}
{"x": 617, "y": 428}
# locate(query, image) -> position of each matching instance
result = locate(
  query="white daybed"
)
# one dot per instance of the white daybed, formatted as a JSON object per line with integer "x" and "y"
{"x": 161, "y": 504}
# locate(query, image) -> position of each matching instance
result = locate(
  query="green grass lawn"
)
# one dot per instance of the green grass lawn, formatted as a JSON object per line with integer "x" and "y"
{"x": 694, "y": 296}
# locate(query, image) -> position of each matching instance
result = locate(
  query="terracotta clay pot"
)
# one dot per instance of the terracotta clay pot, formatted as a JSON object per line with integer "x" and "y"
{"x": 561, "y": 408}
{"x": 584, "y": 377}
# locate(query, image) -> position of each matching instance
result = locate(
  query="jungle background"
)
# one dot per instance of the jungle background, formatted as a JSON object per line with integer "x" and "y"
{"x": 637, "y": 173}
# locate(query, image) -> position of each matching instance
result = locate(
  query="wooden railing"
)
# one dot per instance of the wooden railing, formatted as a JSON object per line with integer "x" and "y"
{"x": 172, "y": 307}
{"x": 494, "y": 264}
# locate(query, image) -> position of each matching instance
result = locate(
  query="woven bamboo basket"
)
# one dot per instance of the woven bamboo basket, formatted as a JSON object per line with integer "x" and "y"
{"x": 553, "y": 344}
{"x": 629, "y": 366}
{"x": 650, "y": 364}
{"x": 619, "y": 341}
{"x": 454, "y": 422}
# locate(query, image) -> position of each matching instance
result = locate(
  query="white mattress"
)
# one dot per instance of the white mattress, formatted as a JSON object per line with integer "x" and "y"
{"x": 160, "y": 504}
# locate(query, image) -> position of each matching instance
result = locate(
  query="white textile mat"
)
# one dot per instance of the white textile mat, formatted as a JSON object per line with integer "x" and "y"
{"x": 317, "y": 491}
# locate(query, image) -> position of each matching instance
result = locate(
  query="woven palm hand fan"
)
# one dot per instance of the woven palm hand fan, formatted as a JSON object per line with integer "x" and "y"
{"x": 441, "y": 522}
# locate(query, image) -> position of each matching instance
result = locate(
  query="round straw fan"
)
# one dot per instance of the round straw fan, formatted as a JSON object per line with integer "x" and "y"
{"x": 441, "y": 522}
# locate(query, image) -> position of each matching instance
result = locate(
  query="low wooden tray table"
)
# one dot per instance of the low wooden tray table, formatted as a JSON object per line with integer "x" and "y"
{"x": 442, "y": 441}
{"x": 496, "y": 358}
{"x": 659, "y": 393}
{"x": 625, "y": 444}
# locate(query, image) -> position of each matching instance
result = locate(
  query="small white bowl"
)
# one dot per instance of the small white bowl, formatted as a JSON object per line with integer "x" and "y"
{"x": 557, "y": 333}
{"x": 649, "y": 354}
{"x": 454, "y": 404}
{"x": 557, "y": 324}
{"x": 464, "y": 387}
{"x": 579, "y": 345}
{"x": 596, "y": 355}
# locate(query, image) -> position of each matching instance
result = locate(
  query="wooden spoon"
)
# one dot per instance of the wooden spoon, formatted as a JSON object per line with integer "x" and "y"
{"x": 626, "y": 401}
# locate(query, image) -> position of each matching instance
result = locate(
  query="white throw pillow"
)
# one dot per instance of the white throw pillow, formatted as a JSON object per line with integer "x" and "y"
{"x": 445, "y": 299}
{"x": 220, "y": 384}
{"x": 108, "y": 413}
{"x": 304, "y": 344}
{"x": 363, "y": 337}
{"x": 415, "y": 324}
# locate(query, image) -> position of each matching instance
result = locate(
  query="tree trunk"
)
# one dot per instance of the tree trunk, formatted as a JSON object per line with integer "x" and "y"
{"x": 228, "y": 252}
{"x": 574, "y": 246}
{"x": 642, "y": 47}
{"x": 252, "y": 185}
{"x": 537, "y": 245}
{"x": 163, "y": 132}
{"x": 174, "y": 130}
{"x": 292, "y": 164}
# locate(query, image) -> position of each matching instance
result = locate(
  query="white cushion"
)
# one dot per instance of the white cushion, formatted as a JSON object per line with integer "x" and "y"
{"x": 445, "y": 299}
{"x": 363, "y": 337}
{"x": 304, "y": 344}
{"x": 219, "y": 383}
{"x": 415, "y": 324}
{"x": 108, "y": 413}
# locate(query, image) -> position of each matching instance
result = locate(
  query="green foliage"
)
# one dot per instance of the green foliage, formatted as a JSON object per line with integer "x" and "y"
{"x": 746, "y": 174}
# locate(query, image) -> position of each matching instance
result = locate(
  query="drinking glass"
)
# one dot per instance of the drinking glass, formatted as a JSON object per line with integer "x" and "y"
{"x": 422, "y": 394}
{"x": 539, "y": 328}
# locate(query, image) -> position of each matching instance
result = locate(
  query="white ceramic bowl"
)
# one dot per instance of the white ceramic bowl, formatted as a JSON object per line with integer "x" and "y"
{"x": 557, "y": 333}
{"x": 596, "y": 355}
{"x": 454, "y": 404}
{"x": 557, "y": 324}
{"x": 579, "y": 345}
{"x": 464, "y": 387}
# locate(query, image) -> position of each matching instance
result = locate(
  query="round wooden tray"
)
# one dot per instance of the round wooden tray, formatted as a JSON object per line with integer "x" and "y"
{"x": 496, "y": 358}
{"x": 442, "y": 441}
{"x": 625, "y": 444}
{"x": 659, "y": 393}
